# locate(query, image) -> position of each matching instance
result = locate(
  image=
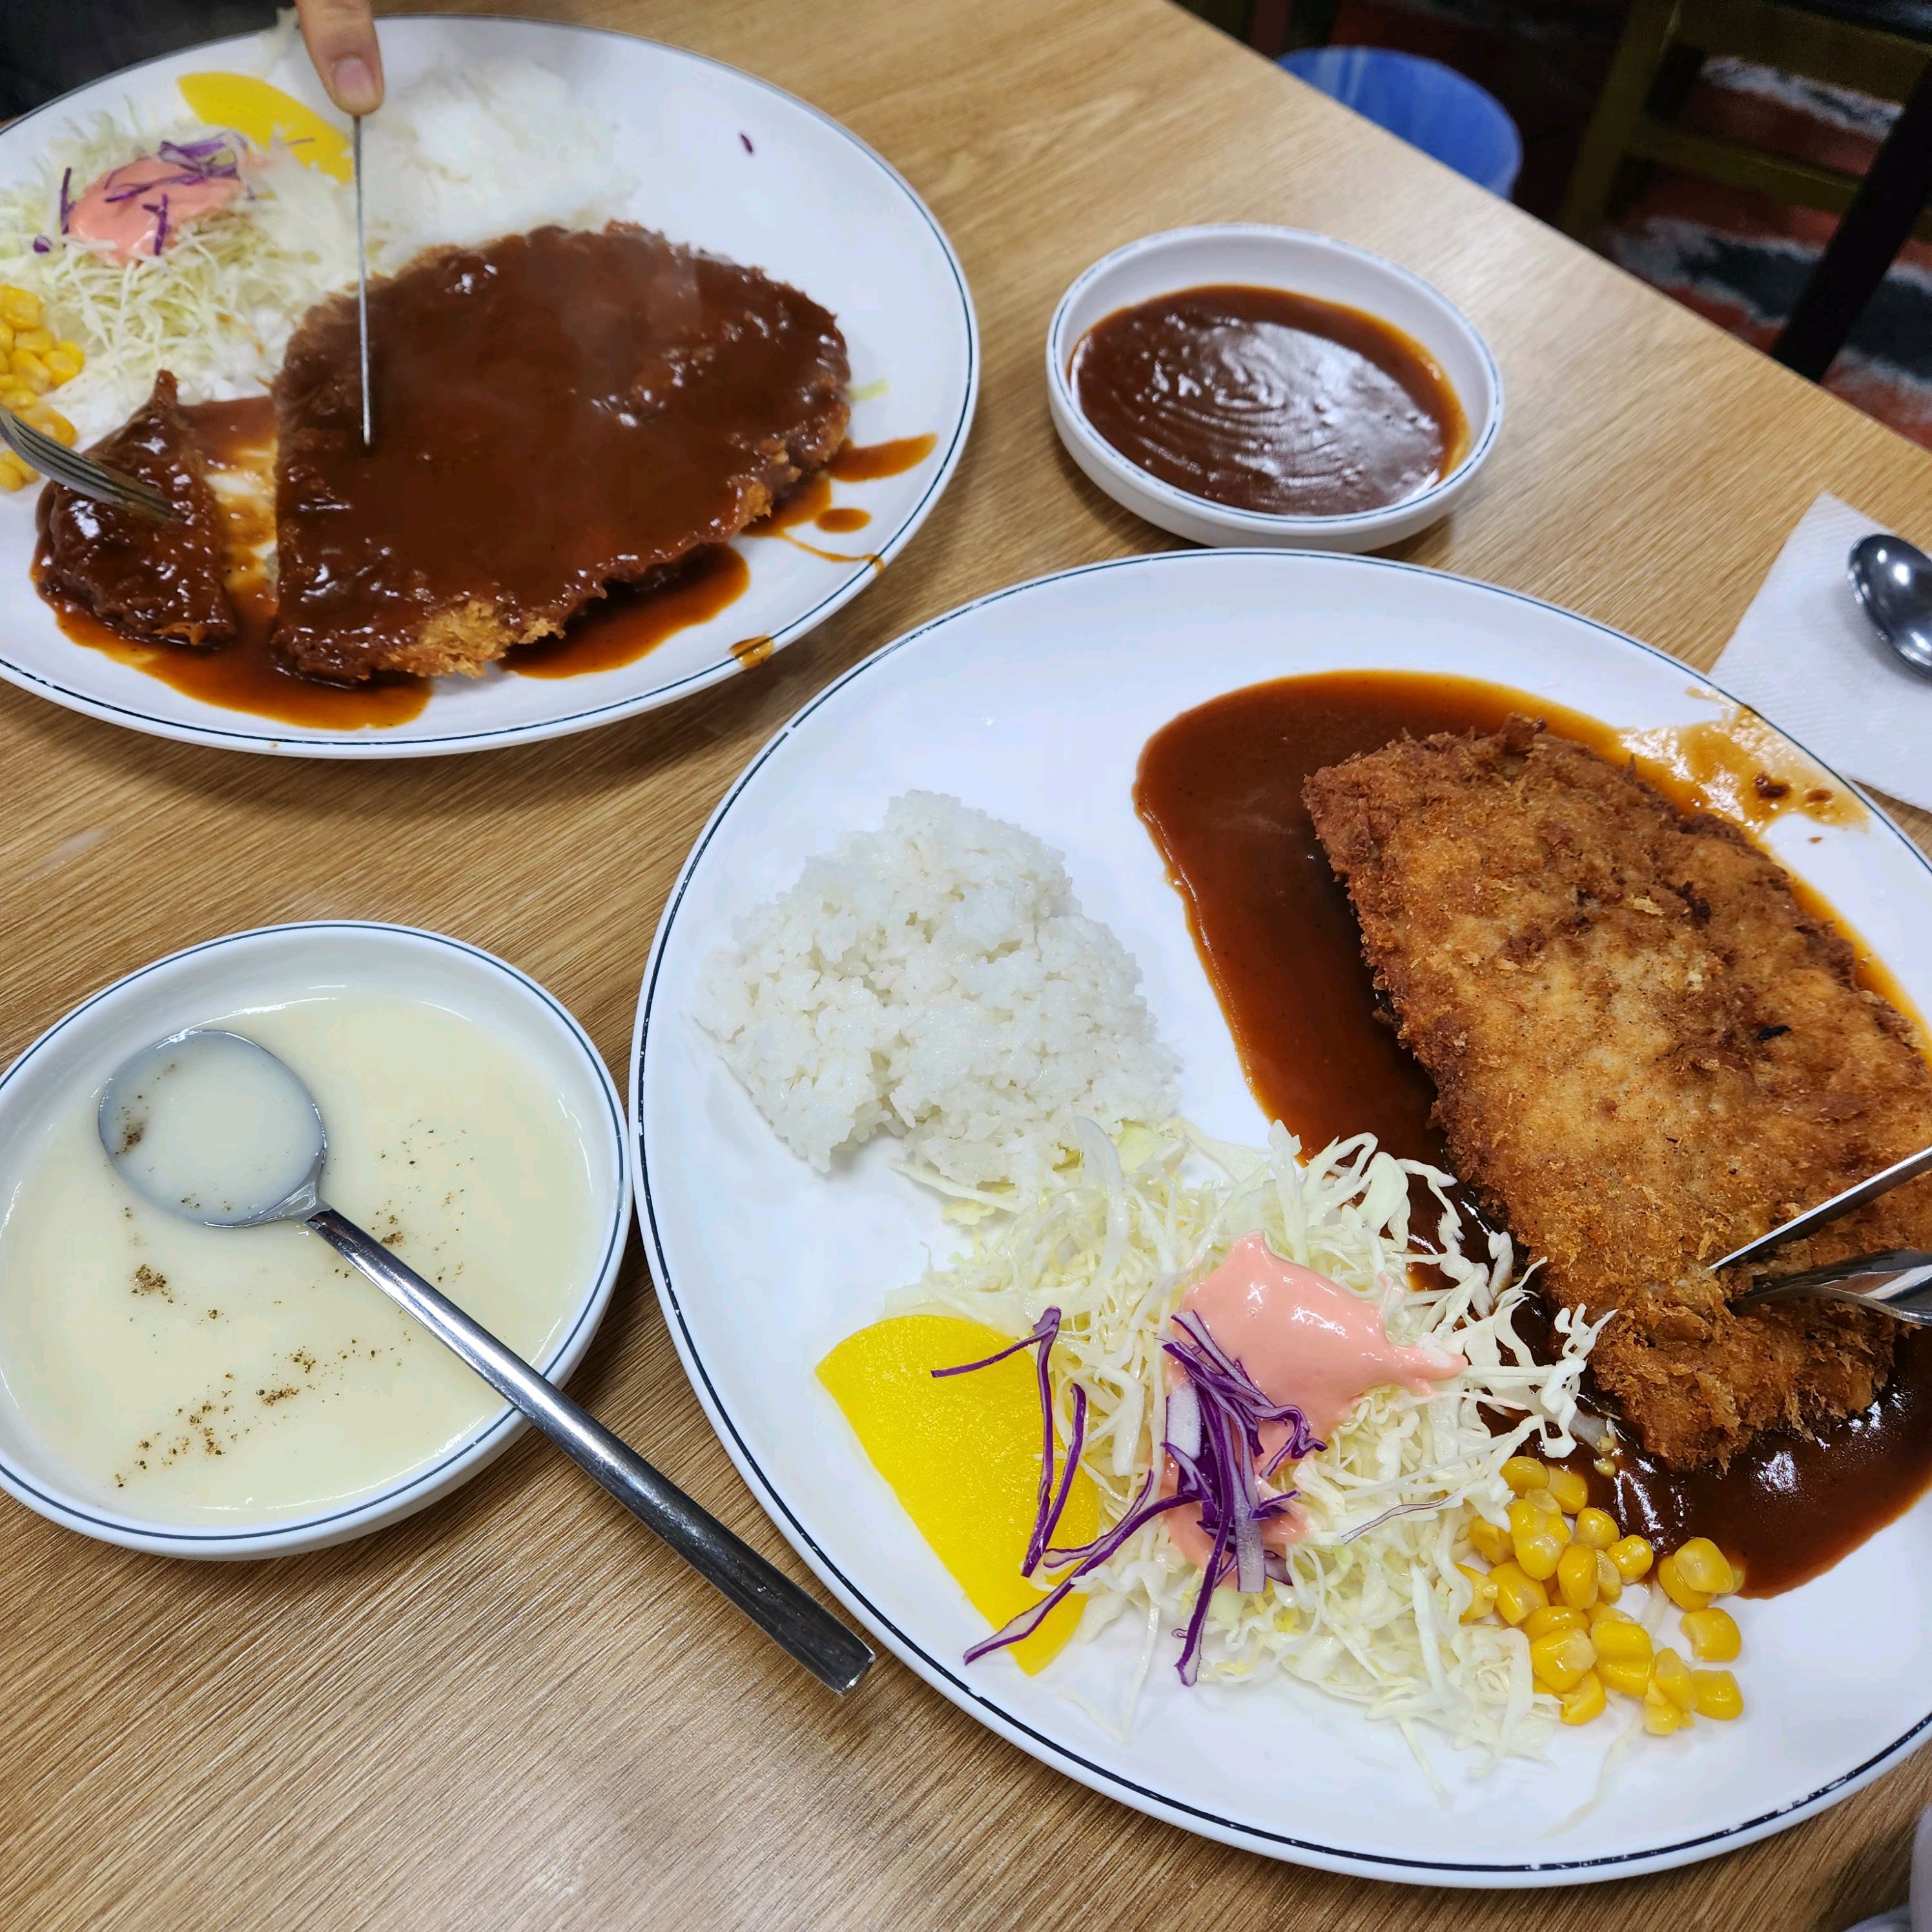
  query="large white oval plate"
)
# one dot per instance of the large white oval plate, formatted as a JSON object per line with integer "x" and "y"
{"x": 797, "y": 196}
{"x": 1034, "y": 704}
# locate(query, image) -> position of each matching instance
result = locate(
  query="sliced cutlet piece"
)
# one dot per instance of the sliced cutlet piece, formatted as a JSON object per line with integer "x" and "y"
{"x": 555, "y": 412}
{"x": 1645, "y": 1052}
{"x": 149, "y": 579}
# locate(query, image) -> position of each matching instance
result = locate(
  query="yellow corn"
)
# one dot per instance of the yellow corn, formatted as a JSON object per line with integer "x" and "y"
{"x": 14, "y": 474}
{"x": 20, "y": 308}
{"x": 1570, "y": 1490}
{"x": 1525, "y": 1473}
{"x": 1482, "y": 1593}
{"x": 1584, "y": 1700}
{"x": 1517, "y": 1593}
{"x": 16, "y": 395}
{"x": 6, "y": 341}
{"x": 1661, "y": 1716}
{"x": 1491, "y": 1543}
{"x": 1704, "y": 1567}
{"x": 1600, "y": 1612}
{"x": 1629, "y": 1675}
{"x": 1596, "y": 1528}
{"x": 1577, "y": 1577}
{"x": 61, "y": 365}
{"x": 29, "y": 371}
{"x": 1552, "y": 1617}
{"x": 1621, "y": 1640}
{"x": 1632, "y": 1555}
{"x": 1712, "y": 1634}
{"x": 1680, "y": 1593}
{"x": 1542, "y": 1500}
{"x": 1609, "y": 1579}
{"x": 1672, "y": 1675}
{"x": 1716, "y": 1695}
{"x": 55, "y": 425}
{"x": 1559, "y": 1660}
{"x": 39, "y": 341}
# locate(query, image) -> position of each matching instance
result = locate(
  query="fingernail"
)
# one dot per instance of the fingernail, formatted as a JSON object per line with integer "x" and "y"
{"x": 355, "y": 85}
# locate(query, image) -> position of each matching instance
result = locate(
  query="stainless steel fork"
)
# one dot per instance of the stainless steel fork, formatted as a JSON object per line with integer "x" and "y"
{"x": 80, "y": 473}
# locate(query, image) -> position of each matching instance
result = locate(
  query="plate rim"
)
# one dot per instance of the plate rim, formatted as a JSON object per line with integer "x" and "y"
{"x": 365, "y": 746}
{"x": 482, "y": 1443}
{"x": 1052, "y": 1751}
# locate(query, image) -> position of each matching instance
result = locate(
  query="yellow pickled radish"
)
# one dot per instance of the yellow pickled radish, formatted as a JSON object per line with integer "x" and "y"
{"x": 254, "y": 109}
{"x": 962, "y": 1456}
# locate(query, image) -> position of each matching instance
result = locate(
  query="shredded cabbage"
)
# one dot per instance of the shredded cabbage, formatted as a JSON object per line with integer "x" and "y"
{"x": 1372, "y": 1611}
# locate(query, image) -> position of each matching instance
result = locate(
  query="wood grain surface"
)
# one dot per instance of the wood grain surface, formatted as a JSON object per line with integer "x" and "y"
{"x": 513, "y": 1710}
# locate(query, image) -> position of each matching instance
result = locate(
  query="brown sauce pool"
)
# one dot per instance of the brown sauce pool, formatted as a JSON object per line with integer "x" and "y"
{"x": 633, "y": 619}
{"x": 1219, "y": 788}
{"x": 1267, "y": 400}
{"x": 867, "y": 463}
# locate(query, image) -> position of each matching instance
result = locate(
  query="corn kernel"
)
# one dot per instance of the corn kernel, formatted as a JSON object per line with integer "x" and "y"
{"x": 52, "y": 423}
{"x": 62, "y": 366}
{"x": 16, "y": 395}
{"x": 1560, "y": 1660}
{"x": 39, "y": 341}
{"x": 1542, "y": 1500}
{"x": 1632, "y": 1555}
{"x": 1584, "y": 1700}
{"x": 1661, "y": 1717}
{"x": 1713, "y": 1635}
{"x": 1552, "y": 1617}
{"x": 1672, "y": 1675}
{"x": 1525, "y": 1473}
{"x": 1629, "y": 1675}
{"x": 1482, "y": 1593}
{"x": 1609, "y": 1579}
{"x": 1600, "y": 1612}
{"x": 1517, "y": 1593}
{"x": 14, "y": 474}
{"x": 1570, "y": 1490}
{"x": 1596, "y": 1529}
{"x": 20, "y": 308}
{"x": 6, "y": 341}
{"x": 1621, "y": 1640}
{"x": 1491, "y": 1543}
{"x": 1537, "y": 1553}
{"x": 1703, "y": 1567}
{"x": 1680, "y": 1593}
{"x": 1716, "y": 1695}
{"x": 29, "y": 371}
{"x": 1577, "y": 1577}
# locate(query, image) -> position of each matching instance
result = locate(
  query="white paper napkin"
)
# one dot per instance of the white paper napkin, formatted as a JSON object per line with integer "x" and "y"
{"x": 1805, "y": 657}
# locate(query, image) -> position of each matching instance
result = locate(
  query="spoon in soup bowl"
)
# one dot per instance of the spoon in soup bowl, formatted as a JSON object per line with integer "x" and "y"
{"x": 211, "y": 1126}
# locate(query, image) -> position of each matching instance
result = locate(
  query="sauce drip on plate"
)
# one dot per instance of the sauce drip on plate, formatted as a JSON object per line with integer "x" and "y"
{"x": 1219, "y": 788}
{"x": 1267, "y": 400}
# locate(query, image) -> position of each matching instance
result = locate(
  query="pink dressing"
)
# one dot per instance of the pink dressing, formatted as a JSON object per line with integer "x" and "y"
{"x": 1304, "y": 1340}
{"x": 122, "y": 213}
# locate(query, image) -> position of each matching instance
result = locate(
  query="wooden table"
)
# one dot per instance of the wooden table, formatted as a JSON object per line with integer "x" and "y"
{"x": 514, "y": 1711}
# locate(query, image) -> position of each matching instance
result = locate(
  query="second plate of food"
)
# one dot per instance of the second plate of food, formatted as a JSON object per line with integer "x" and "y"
{"x": 1490, "y": 1638}
{"x": 554, "y": 412}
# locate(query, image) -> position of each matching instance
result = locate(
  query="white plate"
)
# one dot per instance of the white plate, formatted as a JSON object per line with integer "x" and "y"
{"x": 280, "y": 962}
{"x": 1251, "y": 253}
{"x": 1034, "y": 704}
{"x": 808, "y": 203}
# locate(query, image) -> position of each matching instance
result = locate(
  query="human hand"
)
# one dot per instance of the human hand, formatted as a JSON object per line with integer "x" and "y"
{"x": 340, "y": 36}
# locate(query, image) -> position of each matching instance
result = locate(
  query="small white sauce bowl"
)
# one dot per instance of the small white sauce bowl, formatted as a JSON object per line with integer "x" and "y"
{"x": 1257, "y": 255}
{"x": 272, "y": 963}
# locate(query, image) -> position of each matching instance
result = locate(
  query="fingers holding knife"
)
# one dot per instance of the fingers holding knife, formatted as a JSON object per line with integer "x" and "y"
{"x": 340, "y": 36}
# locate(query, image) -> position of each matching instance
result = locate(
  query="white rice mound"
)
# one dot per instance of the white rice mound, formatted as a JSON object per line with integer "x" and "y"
{"x": 935, "y": 979}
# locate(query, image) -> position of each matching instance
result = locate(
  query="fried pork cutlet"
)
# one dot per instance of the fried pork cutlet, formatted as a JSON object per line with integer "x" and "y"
{"x": 554, "y": 412}
{"x": 155, "y": 581}
{"x": 1645, "y": 1053}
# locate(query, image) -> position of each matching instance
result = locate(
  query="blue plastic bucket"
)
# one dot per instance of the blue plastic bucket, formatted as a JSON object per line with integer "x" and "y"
{"x": 1429, "y": 106}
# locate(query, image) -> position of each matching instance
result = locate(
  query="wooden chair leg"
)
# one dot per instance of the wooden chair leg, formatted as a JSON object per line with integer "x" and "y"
{"x": 1647, "y": 38}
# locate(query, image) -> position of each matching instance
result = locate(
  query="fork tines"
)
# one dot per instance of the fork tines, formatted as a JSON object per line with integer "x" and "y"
{"x": 80, "y": 473}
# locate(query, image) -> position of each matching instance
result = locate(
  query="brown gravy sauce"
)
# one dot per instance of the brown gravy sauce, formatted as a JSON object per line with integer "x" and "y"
{"x": 867, "y": 463}
{"x": 1265, "y": 399}
{"x": 1219, "y": 788}
{"x": 632, "y": 620}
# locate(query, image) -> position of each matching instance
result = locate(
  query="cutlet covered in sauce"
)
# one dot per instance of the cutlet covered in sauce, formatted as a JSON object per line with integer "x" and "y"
{"x": 555, "y": 412}
{"x": 1645, "y": 1052}
{"x": 148, "y": 578}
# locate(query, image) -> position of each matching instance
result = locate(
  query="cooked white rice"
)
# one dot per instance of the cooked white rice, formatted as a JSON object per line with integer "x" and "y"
{"x": 935, "y": 979}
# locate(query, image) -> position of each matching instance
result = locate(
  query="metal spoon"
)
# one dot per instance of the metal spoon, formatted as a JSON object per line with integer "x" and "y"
{"x": 133, "y": 1124}
{"x": 1894, "y": 583}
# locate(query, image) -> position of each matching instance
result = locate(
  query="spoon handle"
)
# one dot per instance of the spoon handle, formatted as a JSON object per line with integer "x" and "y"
{"x": 795, "y": 1622}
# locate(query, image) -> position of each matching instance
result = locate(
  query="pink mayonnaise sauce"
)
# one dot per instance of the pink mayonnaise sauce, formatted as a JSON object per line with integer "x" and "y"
{"x": 1304, "y": 1340}
{"x": 127, "y": 225}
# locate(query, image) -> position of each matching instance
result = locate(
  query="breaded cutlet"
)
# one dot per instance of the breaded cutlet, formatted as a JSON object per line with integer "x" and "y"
{"x": 1645, "y": 1052}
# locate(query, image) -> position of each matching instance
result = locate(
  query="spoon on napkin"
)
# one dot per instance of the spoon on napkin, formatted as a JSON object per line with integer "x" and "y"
{"x": 1893, "y": 580}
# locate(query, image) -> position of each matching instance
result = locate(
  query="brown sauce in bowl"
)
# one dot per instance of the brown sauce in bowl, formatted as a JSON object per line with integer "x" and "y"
{"x": 1219, "y": 788}
{"x": 1266, "y": 401}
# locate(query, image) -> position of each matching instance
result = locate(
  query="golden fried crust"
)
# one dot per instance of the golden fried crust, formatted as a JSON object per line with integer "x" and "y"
{"x": 1645, "y": 1052}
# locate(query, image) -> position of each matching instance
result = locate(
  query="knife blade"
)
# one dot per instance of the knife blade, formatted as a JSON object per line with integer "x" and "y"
{"x": 362, "y": 288}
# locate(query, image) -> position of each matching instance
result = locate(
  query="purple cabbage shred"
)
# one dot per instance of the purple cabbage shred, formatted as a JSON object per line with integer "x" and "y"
{"x": 67, "y": 197}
